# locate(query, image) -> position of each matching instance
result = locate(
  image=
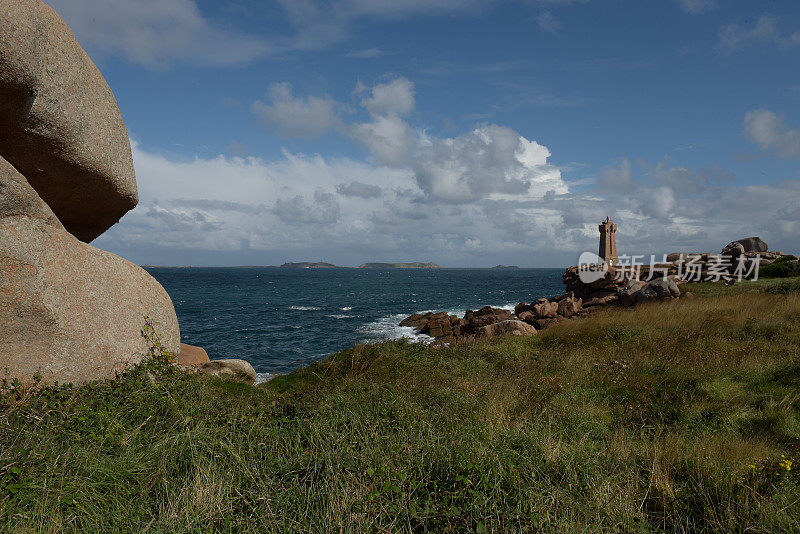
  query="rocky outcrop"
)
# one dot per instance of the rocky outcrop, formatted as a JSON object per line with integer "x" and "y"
{"x": 230, "y": 369}
{"x": 69, "y": 311}
{"x": 638, "y": 291}
{"x": 475, "y": 320}
{"x": 569, "y": 306}
{"x": 446, "y": 329}
{"x": 490, "y": 322}
{"x": 544, "y": 309}
{"x": 753, "y": 244}
{"x": 601, "y": 288}
{"x": 60, "y": 126}
{"x": 734, "y": 250}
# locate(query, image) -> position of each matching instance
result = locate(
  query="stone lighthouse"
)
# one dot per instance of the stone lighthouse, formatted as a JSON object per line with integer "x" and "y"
{"x": 608, "y": 243}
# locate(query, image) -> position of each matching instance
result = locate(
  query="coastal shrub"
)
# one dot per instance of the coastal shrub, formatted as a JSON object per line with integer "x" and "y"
{"x": 680, "y": 417}
{"x": 783, "y": 267}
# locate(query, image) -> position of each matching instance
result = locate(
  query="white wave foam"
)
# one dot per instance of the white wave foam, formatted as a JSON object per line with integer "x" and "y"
{"x": 388, "y": 328}
{"x": 346, "y": 308}
{"x": 304, "y": 308}
{"x": 339, "y": 316}
{"x": 264, "y": 377}
{"x": 459, "y": 312}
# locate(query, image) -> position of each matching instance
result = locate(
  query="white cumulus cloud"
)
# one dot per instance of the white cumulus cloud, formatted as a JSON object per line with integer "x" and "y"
{"x": 157, "y": 33}
{"x": 489, "y": 162}
{"x": 394, "y": 98}
{"x": 766, "y": 30}
{"x": 698, "y": 6}
{"x": 296, "y": 116}
{"x": 769, "y": 131}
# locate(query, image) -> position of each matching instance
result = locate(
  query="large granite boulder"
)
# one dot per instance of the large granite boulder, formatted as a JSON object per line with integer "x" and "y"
{"x": 753, "y": 244}
{"x": 60, "y": 125}
{"x": 68, "y": 311}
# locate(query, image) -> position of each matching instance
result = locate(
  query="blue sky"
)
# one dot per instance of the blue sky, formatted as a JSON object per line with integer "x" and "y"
{"x": 468, "y": 133}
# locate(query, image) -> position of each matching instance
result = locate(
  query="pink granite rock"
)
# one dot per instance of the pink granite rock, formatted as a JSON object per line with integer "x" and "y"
{"x": 60, "y": 125}
{"x": 68, "y": 311}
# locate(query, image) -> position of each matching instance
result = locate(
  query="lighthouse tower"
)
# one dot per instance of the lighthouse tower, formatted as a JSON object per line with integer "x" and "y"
{"x": 608, "y": 243}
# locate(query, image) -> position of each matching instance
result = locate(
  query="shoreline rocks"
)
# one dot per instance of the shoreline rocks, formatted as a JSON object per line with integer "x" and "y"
{"x": 657, "y": 282}
{"x": 487, "y": 322}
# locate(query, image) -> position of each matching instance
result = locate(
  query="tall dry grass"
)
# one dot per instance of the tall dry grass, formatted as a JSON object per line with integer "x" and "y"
{"x": 629, "y": 421}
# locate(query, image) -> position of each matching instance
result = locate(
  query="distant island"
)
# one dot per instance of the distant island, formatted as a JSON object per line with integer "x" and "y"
{"x": 505, "y": 267}
{"x": 412, "y": 265}
{"x": 308, "y": 265}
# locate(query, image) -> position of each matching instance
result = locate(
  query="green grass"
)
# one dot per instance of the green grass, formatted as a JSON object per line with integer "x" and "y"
{"x": 762, "y": 285}
{"x": 677, "y": 417}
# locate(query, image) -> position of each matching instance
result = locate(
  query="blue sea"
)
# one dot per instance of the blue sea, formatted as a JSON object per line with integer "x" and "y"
{"x": 279, "y": 319}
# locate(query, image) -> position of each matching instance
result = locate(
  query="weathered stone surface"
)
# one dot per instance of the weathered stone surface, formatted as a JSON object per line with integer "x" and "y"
{"x": 733, "y": 251}
{"x": 646, "y": 293}
{"x": 192, "y": 356}
{"x": 475, "y": 320}
{"x": 627, "y": 294}
{"x": 545, "y": 309}
{"x": 69, "y": 311}
{"x": 638, "y": 291}
{"x": 60, "y": 125}
{"x": 444, "y": 326}
{"x": 664, "y": 288}
{"x": 521, "y": 307}
{"x": 569, "y": 307}
{"x": 577, "y": 288}
{"x": 230, "y": 369}
{"x": 753, "y": 244}
{"x": 511, "y": 326}
{"x": 526, "y": 316}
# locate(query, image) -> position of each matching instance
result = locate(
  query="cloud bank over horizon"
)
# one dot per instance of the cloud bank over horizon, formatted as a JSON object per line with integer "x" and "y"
{"x": 468, "y": 132}
{"x": 462, "y": 200}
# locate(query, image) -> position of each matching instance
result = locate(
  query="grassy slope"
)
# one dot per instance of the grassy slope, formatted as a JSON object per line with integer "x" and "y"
{"x": 670, "y": 417}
